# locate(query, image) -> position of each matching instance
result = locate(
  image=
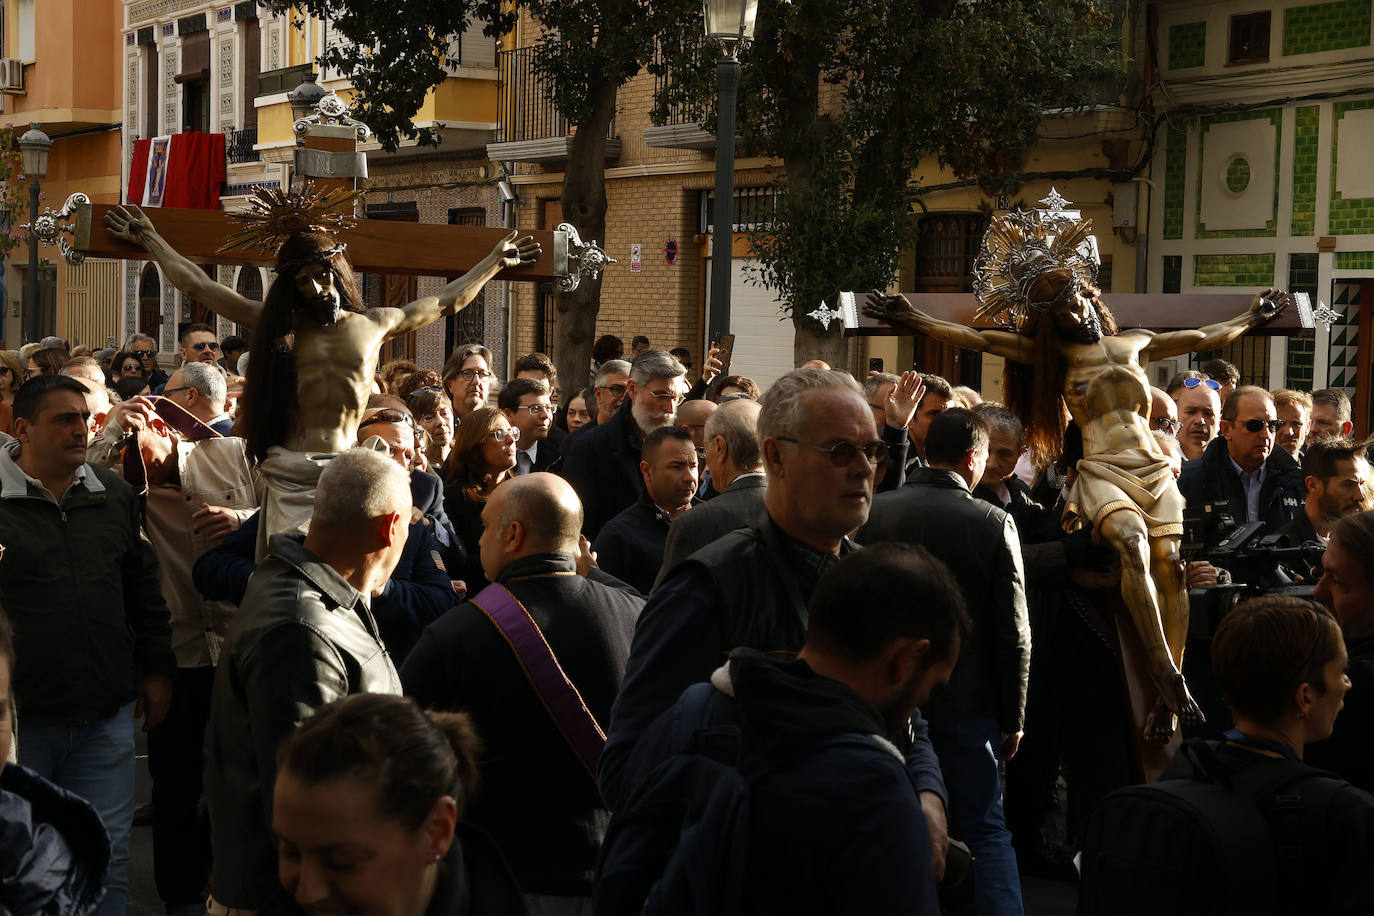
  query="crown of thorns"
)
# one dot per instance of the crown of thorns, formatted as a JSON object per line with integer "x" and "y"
{"x": 274, "y": 215}
{"x": 1020, "y": 247}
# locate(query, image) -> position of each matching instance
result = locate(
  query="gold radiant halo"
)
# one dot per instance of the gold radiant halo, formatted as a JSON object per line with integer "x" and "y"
{"x": 274, "y": 215}
{"x": 1018, "y": 247}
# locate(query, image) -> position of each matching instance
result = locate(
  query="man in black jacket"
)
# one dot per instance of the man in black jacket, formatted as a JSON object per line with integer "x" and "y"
{"x": 305, "y": 636}
{"x": 978, "y": 721}
{"x": 537, "y": 799}
{"x": 80, "y": 583}
{"x": 751, "y": 587}
{"x": 602, "y": 464}
{"x": 736, "y": 464}
{"x": 1241, "y": 466}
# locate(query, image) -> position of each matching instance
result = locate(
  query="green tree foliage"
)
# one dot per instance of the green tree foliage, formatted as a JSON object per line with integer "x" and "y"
{"x": 850, "y": 96}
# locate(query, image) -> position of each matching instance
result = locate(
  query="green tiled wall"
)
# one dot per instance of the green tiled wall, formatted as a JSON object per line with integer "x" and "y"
{"x": 1355, "y": 260}
{"x": 1271, "y": 226}
{"x": 1187, "y": 45}
{"x": 1305, "y": 171}
{"x": 1175, "y": 175}
{"x": 1356, "y": 215}
{"x": 1323, "y": 27}
{"x": 1233, "y": 270}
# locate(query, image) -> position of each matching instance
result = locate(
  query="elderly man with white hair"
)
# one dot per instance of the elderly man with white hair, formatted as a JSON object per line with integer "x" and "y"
{"x": 200, "y": 388}
{"x": 304, "y": 636}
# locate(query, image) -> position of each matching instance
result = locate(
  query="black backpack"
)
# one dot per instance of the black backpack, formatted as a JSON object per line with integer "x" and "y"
{"x": 680, "y": 844}
{"x": 1202, "y": 844}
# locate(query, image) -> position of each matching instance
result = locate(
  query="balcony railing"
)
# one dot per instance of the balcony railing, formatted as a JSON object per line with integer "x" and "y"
{"x": 239, "y": 145}
{"x": 272, "y": 82}
{"x": 526, "y": 104}
{"x": 677, "y": 113}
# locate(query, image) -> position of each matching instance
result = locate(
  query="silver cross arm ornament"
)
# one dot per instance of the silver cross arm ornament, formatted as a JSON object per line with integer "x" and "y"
{"x": 49, "y": 228}
{"x": 825, "y": 314}
{"x": 578, "y": 260}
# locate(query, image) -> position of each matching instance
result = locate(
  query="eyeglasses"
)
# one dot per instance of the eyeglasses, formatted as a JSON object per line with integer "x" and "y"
{"x": 1256, "y": 424}
{"x": 204, "y": 345}
{"x": 468, "y": 375}
{"x": 1209, "y": 382}
{"x": 536, "y": 410}
{"x": 426, "y": 388}
{"x": 1167, "y": 424}
{"x": 131, "y": 367}
{"x": 669, "y": 396}
{"x": 616, "y": 390}
{"x": 842, "y": 453}
{"x": 143, "y": 354}
{"x": 167, "y": 391}
{"x": 389, "y": 415}
{"x": 502, "y": 433}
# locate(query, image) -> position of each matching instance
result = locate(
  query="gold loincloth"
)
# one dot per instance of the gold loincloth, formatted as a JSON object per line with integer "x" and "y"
{"x": 1134, "y": 480}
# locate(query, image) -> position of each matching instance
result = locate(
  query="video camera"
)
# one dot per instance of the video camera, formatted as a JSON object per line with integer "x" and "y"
{"x": 1258, "y": 563}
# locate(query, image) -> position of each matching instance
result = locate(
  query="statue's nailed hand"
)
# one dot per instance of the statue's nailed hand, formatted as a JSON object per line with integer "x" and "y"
{"x": 896, "y": 308}
{"x": 128, "y": 223}
{"x": 1270, "y": 304}
{"x": 519, "y": 253}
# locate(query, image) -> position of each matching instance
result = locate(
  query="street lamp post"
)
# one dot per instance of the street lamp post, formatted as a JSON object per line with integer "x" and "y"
{"x": 34, "y": 146}
{"x": 731, "y": 24}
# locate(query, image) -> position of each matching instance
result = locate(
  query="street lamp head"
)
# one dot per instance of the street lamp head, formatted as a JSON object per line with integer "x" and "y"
{"x": 34, "y": 146}
{"x": 305, "y": 97}
{"x": 730, "y": 22}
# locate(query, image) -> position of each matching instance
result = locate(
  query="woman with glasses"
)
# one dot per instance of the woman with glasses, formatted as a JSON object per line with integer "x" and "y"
{"x": 482, "y": 456}
{"x": 434, "y": 414}
{"x": 126, "y": 364}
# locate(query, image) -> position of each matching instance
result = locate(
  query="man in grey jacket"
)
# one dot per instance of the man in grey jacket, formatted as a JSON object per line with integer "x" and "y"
{"x": 80, "y": 583}
{"x": 304, "y": 636}
{"x": 978, "y": 720}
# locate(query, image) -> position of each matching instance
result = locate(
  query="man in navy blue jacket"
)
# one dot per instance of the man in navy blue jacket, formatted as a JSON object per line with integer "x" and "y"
{"x": 1241, "y": 466}
{"x": 829, "y": 735}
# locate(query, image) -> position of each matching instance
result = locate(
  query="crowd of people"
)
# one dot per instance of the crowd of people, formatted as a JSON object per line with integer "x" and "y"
{"x": 667, "y": 643}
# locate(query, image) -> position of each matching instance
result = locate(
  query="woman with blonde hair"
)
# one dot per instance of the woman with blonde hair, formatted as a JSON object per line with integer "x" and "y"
{"x": 11, "y": 377}
{"x": 482, "y": 456}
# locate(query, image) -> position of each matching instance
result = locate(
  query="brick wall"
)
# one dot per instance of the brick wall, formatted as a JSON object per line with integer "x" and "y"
{"x": 1175, "y": 174}
{"x": 1353, "y": 216}
{"x": 1326, "y": 27}
{"x": 1233, "y": 270}
{"x": 1187, "y": 45}
{"x": 1304, "y": 218}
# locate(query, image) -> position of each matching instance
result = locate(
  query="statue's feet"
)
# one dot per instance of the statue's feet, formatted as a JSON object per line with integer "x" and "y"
{"x": 1174, "y": 696}
{"x": 1159, "y": 724}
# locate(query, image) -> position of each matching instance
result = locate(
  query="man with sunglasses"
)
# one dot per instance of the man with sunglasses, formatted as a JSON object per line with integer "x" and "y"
{"x": 602, "y": 464}
{"x": 977, "y": 722}
{"x": 1199, "y": 407}
{"x": 751, "y": 587}
{"x": 145, "y": 348}
{"x": 198, "y": 345}
{"x": 1242, "y": 467}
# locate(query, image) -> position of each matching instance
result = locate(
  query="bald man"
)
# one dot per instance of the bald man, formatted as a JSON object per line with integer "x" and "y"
{"x": 539, "y": 803}
{"x": 1164, "y": 413}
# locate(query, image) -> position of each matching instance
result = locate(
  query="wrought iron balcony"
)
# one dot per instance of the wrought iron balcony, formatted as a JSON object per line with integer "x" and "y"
{"x": 532, "y": 129}
{"x": 239, "y": 145}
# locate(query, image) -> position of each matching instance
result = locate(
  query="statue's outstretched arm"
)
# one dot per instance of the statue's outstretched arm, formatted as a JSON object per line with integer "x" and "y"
{"x": 509, "y": 252}
{"x": 898, "y": 310}
{"x": 131, "y": 224}
{"x": 1263, "y": 308}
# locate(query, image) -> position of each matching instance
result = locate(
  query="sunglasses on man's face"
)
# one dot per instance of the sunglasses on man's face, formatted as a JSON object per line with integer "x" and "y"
{"x": 1209, "y": 382}
{"x": 204, "y": 345}
{"x": 842, "y": 452}
{"x": 1255, "y": 425}
{"x": 144, "y": 354}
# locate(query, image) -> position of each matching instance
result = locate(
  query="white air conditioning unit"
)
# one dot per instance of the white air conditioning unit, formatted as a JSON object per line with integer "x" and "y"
{"x": 11, "y": 75}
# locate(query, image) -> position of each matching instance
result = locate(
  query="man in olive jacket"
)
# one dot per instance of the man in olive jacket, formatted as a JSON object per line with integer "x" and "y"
{"x": 80, "y": 583}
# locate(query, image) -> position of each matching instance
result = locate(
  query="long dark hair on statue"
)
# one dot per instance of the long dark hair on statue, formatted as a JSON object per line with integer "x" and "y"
{"x": 1035, "y": 390}
{"x": 269, "y": 397}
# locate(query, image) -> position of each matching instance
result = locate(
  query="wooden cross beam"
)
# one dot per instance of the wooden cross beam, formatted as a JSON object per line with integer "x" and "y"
{"x": 374, "y": 246}
{"x": 1156, "y": 311}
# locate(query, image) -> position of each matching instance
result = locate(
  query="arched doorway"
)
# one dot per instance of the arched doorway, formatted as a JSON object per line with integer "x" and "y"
{"x": 249, "y": 286}
{"x": 150, "y": 303}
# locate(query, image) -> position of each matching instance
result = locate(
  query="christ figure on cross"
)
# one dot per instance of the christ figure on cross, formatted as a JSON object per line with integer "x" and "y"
{"x": 315, "y": 347}
{"x": 1035, "y": 273}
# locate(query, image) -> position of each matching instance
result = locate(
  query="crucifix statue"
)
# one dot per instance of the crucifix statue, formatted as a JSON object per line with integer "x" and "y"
{"x": 1066, "y": 358}
{"x": 315, "y": 347}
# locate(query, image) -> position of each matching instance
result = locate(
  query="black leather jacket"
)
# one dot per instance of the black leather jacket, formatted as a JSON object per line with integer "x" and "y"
{"x": 303, "y": 638}
{"x": 979, "y": 544}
